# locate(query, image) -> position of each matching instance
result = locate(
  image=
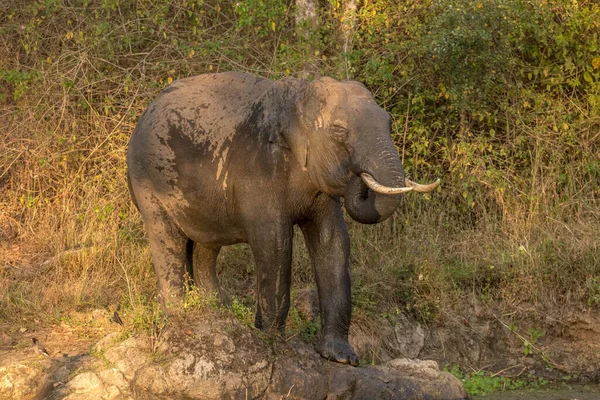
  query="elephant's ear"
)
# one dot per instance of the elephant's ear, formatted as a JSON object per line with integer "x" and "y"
{"x": 294, "y": 139}
{"x": 298, "y": 142}
{"x": 289, "y": 132}
{"x": 277, "y": 138}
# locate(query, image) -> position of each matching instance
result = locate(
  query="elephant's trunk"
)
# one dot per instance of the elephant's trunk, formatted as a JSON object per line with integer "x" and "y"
{"x": 374, "y": 192}
{"x": 364, "y": 204}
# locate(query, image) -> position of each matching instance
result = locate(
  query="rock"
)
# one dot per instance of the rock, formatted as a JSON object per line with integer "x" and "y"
{"x": 107, "y": 341}
{"x": 222, "y": 359}
{"x": 88, "y": 382}
{"x": 153, "y": 379}
{"x": 465, "y": 345}
{"x": 369, "y": 346}
{"x": 428, "y": 375}
{"x": 61, "y": 374}
{"x": 129, "y": 356}
{"x": 307, "y": 303}
{"x": 114, "y": 377}
{"x": 397, "y": 379}
{"x": 298, "y": 373}
{"x": 395, "y": 336}
{"x": 108, "y": 384}
{"x": 18, "y": 381}
{"x": 410, "y": 337}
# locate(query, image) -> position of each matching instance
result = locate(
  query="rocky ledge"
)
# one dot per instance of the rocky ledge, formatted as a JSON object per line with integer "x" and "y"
{"x": 215, "y": 358}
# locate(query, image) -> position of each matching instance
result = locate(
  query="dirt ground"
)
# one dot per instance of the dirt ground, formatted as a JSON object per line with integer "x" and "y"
{"x": 569, "y": 346}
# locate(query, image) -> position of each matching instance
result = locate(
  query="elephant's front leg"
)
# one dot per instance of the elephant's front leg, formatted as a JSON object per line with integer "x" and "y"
{"x": 271, "y": 245}
{"x": 329, "y": 247}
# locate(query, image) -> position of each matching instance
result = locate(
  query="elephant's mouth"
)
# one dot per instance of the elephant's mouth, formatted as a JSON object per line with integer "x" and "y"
{"x": 368, "y": 201}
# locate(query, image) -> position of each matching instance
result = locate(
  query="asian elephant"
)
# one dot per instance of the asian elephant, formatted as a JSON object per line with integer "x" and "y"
{"x": 226, "y": 158}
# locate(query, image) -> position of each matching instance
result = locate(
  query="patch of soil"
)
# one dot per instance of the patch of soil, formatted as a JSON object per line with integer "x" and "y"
{"x": 528, "y": 346}
{"x": 64, "y": 340}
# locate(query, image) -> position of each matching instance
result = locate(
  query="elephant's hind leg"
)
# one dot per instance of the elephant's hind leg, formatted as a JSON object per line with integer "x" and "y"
{"x": 168, "y": 246}
{"x": 272, "y": 249}
{"x": 204, "y": 263}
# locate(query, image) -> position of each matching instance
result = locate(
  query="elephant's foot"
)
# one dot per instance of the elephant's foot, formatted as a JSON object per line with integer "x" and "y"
{"x": 269, "y": 327}
{"x": 337, "y": 350}
{"x": 216, "y": 294}
{"x": 223, "y": 298}
{"x": 171, "y": 301}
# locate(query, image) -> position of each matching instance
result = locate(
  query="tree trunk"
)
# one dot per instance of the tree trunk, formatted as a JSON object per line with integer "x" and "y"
{"x": 307, "y": 21}
{"x": 348, "y": 28}
{"x": 306, "y": 17}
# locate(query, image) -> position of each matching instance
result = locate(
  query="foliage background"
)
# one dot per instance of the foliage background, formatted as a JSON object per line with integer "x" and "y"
{"x": 499, "y": 98}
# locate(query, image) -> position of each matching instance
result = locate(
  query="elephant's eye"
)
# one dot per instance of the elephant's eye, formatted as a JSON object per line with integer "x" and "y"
{"x": 339, "y": 132}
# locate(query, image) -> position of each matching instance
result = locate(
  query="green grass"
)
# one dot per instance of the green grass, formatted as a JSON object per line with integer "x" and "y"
{"x": 482, "y": 383}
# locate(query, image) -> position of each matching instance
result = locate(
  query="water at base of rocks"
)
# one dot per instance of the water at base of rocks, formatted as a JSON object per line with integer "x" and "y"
{"x": 588, "y": 392}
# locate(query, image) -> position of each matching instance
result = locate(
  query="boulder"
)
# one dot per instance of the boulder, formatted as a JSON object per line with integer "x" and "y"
{"x": 223, "y": 359}
{"x": 218, "y": 357}
{"x": 21, "y": 381}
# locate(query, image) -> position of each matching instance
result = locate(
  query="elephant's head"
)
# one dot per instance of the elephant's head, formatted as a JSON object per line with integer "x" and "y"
{"x": 341, "y": 137}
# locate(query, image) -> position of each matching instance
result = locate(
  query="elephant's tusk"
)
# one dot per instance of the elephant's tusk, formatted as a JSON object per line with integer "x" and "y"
{"x": 410, "y": 185}
{"x": 379, "y": 188}
{"x": 422, "y": 188}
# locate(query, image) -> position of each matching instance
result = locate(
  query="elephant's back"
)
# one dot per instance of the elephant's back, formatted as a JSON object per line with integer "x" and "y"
{"x": 199, "y": 113}
{"x": 206, "y": 100}
{"x": 232, "y": 91}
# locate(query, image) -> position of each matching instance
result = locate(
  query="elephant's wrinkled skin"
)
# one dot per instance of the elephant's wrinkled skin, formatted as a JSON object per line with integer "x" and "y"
{"x": 226, "y": 158}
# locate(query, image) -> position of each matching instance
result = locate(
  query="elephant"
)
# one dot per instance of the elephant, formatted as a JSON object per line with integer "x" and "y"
{"x": 225, "y": 158}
